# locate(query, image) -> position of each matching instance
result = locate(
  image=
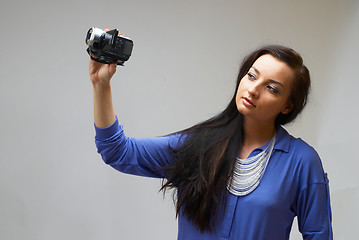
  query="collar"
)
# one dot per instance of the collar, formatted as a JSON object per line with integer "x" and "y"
{"x": 282, "y": 141}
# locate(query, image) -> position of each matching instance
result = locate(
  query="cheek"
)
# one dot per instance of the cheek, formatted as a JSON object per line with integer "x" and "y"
{"x": 278, "y": 106}
{"x": 241, "y": 86}
{"x": 239, "y": 92}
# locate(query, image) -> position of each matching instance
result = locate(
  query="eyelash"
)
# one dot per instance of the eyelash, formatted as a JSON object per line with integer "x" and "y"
{"x": 252, "y": 76}
{"x": 271, "y": 88}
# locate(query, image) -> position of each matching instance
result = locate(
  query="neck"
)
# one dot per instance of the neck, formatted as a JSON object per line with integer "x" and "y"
{"x": 257, "y": 134}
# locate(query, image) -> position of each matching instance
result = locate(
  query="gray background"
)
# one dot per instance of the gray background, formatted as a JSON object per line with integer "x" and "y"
{"x": 186, "y": 57}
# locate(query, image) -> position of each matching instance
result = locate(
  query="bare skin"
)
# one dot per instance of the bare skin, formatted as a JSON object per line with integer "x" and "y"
{"x": 262, "y": 94}
{"x": 100, "y": 75}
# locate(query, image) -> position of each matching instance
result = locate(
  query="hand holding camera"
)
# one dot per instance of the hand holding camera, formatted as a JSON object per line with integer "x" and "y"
{"x": 108, "y": 47}
{"x": 101, "y": 73}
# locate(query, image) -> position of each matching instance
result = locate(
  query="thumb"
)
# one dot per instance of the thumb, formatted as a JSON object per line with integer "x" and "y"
{"x": 112, "y": 68}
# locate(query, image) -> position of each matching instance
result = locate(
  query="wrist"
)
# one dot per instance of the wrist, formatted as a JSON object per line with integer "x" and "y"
{"x": 101, "y": 87}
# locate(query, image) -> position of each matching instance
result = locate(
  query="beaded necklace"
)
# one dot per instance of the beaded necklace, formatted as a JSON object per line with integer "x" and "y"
{"x": 248, "y": 172}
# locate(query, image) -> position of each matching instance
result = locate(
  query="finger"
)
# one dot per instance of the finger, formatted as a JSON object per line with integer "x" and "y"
{"x": 113, "y": 68}
{"x": 93, "y": 65}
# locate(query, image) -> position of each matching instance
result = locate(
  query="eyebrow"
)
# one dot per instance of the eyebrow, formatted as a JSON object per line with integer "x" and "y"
{"x": 270, "y": 80}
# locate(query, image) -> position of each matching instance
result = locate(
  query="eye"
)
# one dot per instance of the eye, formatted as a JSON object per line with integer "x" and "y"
{"x": 252, "y": 76}
{"x": 272, "y": 89}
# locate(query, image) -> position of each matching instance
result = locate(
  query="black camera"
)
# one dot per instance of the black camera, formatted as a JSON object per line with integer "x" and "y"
{"x": 108, "y": 47}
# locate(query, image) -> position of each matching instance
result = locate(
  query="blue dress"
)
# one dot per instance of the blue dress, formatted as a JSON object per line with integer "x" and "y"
{"x": 294, "y": 184}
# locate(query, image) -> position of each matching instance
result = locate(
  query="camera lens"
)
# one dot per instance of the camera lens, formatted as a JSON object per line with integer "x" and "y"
{"x": 88, "y": 36}
{"x": 93, "y": 35}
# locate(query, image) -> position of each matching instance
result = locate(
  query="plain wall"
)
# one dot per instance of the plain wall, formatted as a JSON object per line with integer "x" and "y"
{"x": 183, "y": 68}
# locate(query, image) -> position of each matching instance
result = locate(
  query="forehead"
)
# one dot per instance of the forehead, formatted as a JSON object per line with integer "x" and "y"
{"x": 270, "y": 67}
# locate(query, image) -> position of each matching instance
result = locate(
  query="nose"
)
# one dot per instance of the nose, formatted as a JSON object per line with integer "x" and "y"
{"x": 253, "y": 90}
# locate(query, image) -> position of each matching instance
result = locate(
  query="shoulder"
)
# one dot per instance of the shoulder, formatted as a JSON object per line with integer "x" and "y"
{"x": 296, "y": 147}
{"x": 307, "y": 162}
{"x": 303, "y": 150}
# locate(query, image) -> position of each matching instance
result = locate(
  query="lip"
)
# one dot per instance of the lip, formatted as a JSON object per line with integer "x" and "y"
{"x": 247, "y": 102}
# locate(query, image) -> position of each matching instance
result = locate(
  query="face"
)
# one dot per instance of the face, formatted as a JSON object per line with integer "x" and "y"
{"x": 264, "y": 92}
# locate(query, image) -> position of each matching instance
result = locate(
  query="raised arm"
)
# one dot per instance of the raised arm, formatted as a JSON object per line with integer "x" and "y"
{"x": 100, "y": 75}
{"x": 138, "y": 156}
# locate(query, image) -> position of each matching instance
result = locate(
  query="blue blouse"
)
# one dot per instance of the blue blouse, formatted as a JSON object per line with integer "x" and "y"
{"x": 294, "y": 184}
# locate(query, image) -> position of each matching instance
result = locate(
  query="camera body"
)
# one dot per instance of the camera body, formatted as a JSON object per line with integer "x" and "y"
{"x": 108, "y": 47}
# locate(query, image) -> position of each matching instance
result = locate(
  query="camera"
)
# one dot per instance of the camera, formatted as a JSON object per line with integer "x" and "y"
{"x": 108, "y": 47}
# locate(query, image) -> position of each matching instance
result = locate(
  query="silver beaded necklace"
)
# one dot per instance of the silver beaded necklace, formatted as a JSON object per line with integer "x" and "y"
{"x": 248, "y": 172}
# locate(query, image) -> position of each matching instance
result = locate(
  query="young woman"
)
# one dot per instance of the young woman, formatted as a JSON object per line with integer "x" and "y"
{"x": 238, "y": 175}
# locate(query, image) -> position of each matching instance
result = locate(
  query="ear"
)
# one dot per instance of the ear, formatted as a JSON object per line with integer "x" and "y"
{"x": 288, "y": 108}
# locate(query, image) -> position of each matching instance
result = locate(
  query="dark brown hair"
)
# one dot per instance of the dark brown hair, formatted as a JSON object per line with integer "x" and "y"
{"x": 206, "y": 159}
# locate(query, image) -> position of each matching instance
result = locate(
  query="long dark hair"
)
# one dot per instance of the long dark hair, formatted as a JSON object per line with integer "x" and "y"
{"x": 206, "y": 158}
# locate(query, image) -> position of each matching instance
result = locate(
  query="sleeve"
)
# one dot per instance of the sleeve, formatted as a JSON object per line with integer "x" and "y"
{"x": 137, "y": 156}
{"x": 313, "y": 202}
